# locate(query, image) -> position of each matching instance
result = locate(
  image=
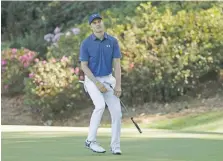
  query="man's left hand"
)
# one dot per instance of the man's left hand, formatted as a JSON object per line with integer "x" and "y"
{"x": 117, "y": 91}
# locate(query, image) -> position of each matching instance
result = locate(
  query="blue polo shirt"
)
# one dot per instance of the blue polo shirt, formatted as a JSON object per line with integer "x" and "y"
{"x": 99, "y": 54}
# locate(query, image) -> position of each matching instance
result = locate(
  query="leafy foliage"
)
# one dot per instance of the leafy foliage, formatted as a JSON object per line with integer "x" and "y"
{"x": 166, "y": 54}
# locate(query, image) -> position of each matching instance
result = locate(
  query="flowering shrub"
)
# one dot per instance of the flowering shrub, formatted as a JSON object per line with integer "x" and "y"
{"x": 52, "y": 87}
{"x": 14, "y": 67}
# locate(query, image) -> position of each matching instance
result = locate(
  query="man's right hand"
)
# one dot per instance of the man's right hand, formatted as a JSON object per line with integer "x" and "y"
{"x": 89, "y": 74}
{"x": 101, "y": 87}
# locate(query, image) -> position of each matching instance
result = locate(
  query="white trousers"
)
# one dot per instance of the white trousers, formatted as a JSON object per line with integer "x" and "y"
{"x": 99, "y": 100}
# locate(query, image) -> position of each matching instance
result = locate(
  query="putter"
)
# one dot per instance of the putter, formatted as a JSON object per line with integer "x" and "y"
{"x": 136, "y": 125}
{"x": 126, "y": 110}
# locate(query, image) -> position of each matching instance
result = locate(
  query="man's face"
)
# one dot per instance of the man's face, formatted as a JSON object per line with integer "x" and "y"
{"x": 97, "y": 25}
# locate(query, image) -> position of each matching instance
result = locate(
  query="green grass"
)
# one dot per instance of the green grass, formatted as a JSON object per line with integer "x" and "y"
{"x": 210, "y": 121}
{"x": 67, "y": 146}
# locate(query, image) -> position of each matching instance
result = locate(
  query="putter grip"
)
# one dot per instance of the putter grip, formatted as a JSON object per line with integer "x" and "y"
{"x": 136, "y": 125}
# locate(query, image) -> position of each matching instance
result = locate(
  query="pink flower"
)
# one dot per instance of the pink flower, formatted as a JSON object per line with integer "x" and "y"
{"x": 44, "y": 62}
{"x": 4, "y": 62}
{"x": 64, "y": 58}
{"x": 30, "y": 53}
{"x": 72, "y": 70}
{"x": 26, "y": 64}
{"x": 14, "y": 50}
{"x": 31, "y": 75}
{"x": 131, "y": 65}
{"x": 29, "y": 58}
{"x": 77, "y": 70}
{"x": 25, "y": 56}
{"x": 53, "y": 60}
{"x": 36, "y": 60}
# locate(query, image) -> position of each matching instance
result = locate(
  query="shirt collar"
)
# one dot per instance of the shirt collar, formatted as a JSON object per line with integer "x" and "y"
{"x": 105, "y": 35}
{"x": 94, "y": 37}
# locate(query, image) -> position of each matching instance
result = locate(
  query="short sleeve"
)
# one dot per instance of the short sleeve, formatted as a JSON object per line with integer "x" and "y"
{"x": 84, "y": 56}
{"x": 116, "y": 49}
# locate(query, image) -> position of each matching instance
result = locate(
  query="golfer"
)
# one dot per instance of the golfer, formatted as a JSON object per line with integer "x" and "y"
{"x": 99, "y": 55}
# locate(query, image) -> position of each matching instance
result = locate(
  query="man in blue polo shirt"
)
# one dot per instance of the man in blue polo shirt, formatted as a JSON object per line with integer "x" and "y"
{"x": 100, "y": 57}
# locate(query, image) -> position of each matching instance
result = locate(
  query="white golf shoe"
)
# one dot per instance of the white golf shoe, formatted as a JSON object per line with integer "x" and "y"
{"x": 116, "y": 150}
{"x": 94, "y": 146}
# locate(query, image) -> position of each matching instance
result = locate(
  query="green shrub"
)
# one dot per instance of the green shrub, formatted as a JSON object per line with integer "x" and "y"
{"x": 33, "y": 41}
{"x": 166, "y": 54}
{"x": 53, "y": 88}
{"x": 14, "y": 69}
{"x": 5, "y": 45}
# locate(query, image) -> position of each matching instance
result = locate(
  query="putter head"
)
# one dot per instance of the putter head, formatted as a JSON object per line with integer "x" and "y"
{"x": 136, "y": 125}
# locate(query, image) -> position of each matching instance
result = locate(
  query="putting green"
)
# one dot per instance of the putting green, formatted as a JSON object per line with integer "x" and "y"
{"x": 149, "y": 146}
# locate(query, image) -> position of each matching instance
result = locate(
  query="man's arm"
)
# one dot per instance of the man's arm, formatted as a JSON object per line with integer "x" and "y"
{"x": 89, "y": 74}
{"x": 117, "y": 74}
{"x": 87, "y": 71}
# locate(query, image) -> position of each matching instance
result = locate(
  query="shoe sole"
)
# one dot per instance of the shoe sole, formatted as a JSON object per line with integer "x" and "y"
{"x": 94, "y": 150}
{"x": 97, "y": 151}
{"x": 117, "y": 153}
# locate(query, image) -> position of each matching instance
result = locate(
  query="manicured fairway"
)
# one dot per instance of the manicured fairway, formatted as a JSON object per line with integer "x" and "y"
{"x": 149, "y": 146}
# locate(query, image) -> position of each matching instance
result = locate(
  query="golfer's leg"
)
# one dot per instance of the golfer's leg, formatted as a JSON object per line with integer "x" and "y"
{"x": 116, "y": 115}
{"x": 99, "y": 103}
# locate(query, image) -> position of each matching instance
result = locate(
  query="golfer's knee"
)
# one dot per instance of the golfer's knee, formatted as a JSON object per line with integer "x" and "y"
{"x": 117, "y": 114}
{"x": 100, "y": 107}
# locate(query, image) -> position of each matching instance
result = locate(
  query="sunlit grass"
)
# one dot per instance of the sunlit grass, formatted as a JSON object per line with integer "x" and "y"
{"x": 205, "y": 121}
{"x": 69, "y": 146}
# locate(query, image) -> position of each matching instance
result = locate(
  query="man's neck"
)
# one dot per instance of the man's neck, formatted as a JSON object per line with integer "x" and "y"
{"x": 100, "y": 35}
